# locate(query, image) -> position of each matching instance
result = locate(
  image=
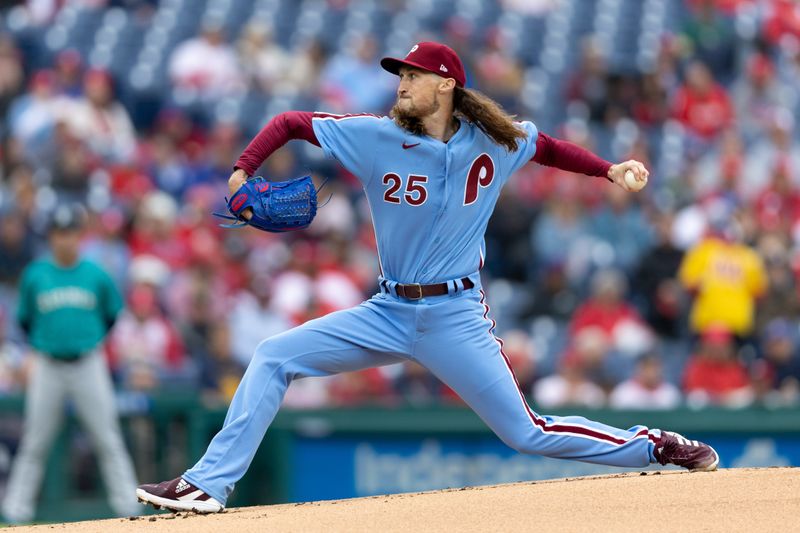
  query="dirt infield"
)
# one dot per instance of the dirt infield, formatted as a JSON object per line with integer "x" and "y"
{"x": 765, "y": 499}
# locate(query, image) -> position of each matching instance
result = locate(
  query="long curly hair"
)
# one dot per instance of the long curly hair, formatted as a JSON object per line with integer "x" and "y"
{"x": 487, "y": 114}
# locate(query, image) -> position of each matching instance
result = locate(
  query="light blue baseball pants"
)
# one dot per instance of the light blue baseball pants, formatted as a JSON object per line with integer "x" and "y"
{"x": 450, "y": 335}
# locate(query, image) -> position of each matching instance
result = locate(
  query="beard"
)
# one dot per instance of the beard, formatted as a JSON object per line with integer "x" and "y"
{"x": 410, "y": 118}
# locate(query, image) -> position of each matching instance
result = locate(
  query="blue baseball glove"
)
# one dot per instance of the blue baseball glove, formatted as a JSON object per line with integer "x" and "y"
{"x": 277, "y": 206}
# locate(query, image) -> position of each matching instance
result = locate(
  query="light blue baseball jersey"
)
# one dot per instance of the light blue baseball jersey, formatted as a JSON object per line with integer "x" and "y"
{"x": 430, "y": 200}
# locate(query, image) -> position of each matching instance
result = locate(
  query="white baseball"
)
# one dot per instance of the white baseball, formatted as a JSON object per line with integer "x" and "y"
{"x": 632, "y": 183}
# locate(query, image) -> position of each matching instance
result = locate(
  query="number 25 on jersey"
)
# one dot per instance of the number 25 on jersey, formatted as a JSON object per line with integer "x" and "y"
{"x": 480, "y": 175}
{"x": 415, "y": 191}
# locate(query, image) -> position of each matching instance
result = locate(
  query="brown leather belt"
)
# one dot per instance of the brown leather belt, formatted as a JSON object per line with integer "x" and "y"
{"x": 415, "y": 291}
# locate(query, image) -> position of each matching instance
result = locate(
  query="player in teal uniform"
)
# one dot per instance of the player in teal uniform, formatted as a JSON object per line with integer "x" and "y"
{"x": 432, "y": 174}
{"x": 66, "y": 307}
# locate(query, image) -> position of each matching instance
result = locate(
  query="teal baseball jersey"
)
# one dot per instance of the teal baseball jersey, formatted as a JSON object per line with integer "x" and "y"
{"x": 430, "y": 200}
{"x": 67, "y": 310}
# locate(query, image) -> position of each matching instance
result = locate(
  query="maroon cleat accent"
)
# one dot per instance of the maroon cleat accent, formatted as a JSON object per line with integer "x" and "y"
{"x": 177, "y": 495}
{"x": 673, "y": 448}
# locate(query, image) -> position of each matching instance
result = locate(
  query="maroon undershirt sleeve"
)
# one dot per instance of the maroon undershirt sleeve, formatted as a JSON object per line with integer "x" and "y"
{"x": 277, "y": 132}
{"x": 297, "y": 125}
{"x": 568, "y": 156}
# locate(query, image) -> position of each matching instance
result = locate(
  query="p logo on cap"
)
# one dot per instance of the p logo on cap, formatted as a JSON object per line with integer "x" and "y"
{"x": 430, "y": 57}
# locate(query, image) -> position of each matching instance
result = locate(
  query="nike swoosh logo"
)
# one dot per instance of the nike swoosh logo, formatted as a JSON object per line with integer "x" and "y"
{"x": 407, "y": 146}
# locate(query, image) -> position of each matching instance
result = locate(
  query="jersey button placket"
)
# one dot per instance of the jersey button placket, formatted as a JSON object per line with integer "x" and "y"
{"x": 441, "y": 195}
{"x": 445, "y": 194}
{"x": 448, "y": 156}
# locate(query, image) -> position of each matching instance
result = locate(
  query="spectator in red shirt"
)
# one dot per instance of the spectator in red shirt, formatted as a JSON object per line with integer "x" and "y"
{"x": 714, "y": 375}
{"x": 702, "y": 105}
{"x": 777, "y": 206}
{"x": 782, "y": 18}
{"x": 607, "y": 310}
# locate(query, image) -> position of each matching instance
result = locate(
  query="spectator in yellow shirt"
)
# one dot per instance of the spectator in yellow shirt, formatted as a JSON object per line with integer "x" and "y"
{"x": 726, "y": 278}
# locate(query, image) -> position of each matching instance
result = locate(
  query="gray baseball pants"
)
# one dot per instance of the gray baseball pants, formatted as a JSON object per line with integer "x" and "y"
{"x": 87, "y": 384}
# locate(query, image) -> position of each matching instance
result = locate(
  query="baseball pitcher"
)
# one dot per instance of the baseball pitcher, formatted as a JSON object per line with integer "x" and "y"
{"x": 432, "y": 173}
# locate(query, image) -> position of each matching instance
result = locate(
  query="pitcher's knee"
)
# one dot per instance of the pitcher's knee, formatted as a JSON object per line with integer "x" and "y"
{"x": 271, "y": 356}
{"x": 527, "y": 442}
{"x": 267, "y": 353}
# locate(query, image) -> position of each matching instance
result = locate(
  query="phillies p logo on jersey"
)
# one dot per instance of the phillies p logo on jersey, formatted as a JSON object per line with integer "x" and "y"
{"x": 480, "y": 175}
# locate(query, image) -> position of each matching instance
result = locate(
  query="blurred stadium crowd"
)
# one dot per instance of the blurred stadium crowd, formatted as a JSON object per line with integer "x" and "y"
{"x": 686, "y": 292}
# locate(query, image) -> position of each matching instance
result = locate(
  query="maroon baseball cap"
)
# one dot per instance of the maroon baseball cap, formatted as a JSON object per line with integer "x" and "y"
{"x": 432, "y": 57}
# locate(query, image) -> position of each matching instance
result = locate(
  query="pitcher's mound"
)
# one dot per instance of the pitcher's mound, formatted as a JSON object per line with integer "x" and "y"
{"x": 751, "y": 499}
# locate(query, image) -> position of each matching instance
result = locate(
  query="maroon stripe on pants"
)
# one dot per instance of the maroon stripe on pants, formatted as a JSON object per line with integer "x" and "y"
{"x": 555, "y": 428}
